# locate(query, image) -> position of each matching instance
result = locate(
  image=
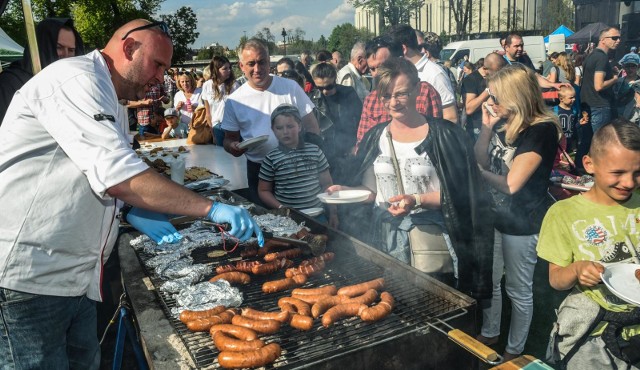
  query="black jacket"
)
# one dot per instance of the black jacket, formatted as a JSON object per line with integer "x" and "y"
{"x": 465, "y": 201}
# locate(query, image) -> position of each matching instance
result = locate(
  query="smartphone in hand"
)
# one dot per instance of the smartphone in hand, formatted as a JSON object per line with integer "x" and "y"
{"x": 489, "y": 109}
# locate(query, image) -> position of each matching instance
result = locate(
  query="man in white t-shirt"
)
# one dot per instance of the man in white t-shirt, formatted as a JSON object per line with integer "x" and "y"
{"x": 247, "y": 112}
{"x": 427, "y": 70}
{"x": 66, "y": 167}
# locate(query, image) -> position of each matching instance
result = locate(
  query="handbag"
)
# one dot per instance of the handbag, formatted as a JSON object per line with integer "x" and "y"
{"x": 199, "y": 129}
{"x": 550, "y": 94}
{"x": 429, "y": 251}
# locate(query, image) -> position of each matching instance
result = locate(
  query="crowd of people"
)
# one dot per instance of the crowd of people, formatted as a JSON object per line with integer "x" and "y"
{"x": 457, "y": 162}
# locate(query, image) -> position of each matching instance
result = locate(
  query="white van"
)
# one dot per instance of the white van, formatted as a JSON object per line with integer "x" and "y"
{"x": 476, "y": 49}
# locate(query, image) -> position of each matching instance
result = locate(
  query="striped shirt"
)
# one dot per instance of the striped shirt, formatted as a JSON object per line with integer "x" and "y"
{"x": 295, "y": 175}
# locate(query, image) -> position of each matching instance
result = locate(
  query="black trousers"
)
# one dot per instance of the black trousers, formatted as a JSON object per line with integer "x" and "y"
{"x": 253, "y": 170}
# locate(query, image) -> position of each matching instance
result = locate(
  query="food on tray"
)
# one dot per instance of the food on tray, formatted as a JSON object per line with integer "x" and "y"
{"x": 358, "y": 289}
{"x": 182, "y": 149}
{"x": 188, "y": 315}
{"x": 341, "y": 311}
{"x": 301, "y": 322}
{"x": 261, "y": 326}
{"x": 257, "y": 358}
{"x": 205, "y": 324}
{"x": 196, "y": 173}
{"x": 233, "y": 277}
{"x": 379, "y": 311}
{"x": 282, "y": 316}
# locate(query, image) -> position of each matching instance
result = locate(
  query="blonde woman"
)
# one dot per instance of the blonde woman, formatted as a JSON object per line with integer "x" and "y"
{"x": 186, "y": 100}
{"x": 215, "y": 91}
{"x": 566, "y": 69}
{"x": 515, "y": 151}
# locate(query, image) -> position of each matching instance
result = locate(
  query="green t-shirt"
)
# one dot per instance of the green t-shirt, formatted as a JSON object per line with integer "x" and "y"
{"x": 577, "y": 229}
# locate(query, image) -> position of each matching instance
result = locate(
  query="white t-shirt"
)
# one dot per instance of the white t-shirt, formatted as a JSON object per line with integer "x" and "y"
{"x": 418, "y": 173}
{"x": 185, "y": 115}
{"x": 216, "y": 107}
{"x": 432, "y": 73}
{"x": 248, "y": 111}
{"x": 63, "y": 144}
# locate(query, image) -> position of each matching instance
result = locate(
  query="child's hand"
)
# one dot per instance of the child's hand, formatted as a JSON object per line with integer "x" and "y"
{"x": 333, "y": 188}
{"x": 401, "y": 204}
{"x": 588, "y": 272}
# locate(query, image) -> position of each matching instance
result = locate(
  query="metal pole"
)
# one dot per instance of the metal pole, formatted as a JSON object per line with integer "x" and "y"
{"x": 31, "y": 36}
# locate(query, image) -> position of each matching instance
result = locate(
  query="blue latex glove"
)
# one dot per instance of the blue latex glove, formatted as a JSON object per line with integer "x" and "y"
{"x": 155, "y": 225}
{"x": 242, "y": 225}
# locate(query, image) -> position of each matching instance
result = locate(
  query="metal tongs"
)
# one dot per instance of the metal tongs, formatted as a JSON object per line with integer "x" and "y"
{"x": 314, "y": 244}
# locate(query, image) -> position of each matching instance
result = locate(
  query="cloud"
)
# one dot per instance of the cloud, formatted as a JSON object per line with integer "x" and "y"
{"x": 266, "y": 8}
{"x": 343, "y": 13}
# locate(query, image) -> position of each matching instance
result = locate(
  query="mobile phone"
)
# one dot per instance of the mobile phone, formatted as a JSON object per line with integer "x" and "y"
{"x": 489, "y": 109}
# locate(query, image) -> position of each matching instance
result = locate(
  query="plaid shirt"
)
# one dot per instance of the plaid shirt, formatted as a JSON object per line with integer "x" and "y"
{"x": 170, "y": 86}
{"x": 145, "y": 114}
{"x": 428, "y": 103}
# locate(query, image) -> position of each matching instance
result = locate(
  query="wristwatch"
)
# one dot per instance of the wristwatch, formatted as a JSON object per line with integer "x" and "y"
{"x": 418, "y": 201}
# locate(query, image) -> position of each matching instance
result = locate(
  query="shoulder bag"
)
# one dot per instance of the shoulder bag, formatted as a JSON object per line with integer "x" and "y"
{"x": 199, "y": 129}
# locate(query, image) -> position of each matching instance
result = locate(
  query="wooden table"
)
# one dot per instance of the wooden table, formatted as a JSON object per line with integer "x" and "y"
{"x": 214, "y": 158}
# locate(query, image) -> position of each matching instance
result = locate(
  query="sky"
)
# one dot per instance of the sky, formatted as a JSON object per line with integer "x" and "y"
{"x": 225, "y": 21}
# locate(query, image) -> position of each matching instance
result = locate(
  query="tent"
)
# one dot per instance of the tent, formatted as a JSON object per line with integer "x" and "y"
{"x": 562, "y": 30}
{"x": 9, "y": 49}
{"x": 588, "y": 33}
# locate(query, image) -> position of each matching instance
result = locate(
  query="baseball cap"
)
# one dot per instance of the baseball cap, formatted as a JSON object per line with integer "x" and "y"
{"x": 630, "y": 59}
{"x": 170, "y": 112}
{"x": 633, "y": 48}
{"x": 288, "y": 109}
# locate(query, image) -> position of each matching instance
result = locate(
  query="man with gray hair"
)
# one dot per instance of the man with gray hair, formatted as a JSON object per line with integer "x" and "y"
{"x": 352, "y": 73}
{"x": 247, "y": 111}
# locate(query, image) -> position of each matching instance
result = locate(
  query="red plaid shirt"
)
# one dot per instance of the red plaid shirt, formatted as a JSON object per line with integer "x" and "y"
{"x": 428, "y": 103}
{"x": 145, "y": 114}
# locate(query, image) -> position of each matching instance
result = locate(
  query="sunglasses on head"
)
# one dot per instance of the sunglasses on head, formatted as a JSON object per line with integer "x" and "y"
{"x": 163, "y": 27}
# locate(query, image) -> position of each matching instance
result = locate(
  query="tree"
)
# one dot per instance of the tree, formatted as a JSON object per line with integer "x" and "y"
{"x": 390, "y": 12}
{"x": 183, "y": 26}
{"x": 344, "y": 36}
{"x": 556, "y": 13}
{"x": 268, "y": 38}
{"x": 461, "y": 10}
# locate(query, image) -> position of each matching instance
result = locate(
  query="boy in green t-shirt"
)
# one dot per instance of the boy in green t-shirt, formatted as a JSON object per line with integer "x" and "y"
{"x": 580, "y": 236}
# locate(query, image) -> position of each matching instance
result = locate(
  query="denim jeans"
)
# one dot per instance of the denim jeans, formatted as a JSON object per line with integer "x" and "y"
{"x": 47, "y": 332}
{"x": 599, "y": 117}
{"x": 516, "y": 256}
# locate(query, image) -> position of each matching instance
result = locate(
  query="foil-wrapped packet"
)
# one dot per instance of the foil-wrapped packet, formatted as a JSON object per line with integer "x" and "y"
{"x": 207, "y": 295}
{"x": 183, "y": 267}
{"x": 278, "y": 225}
{"x": 177, "y": 285}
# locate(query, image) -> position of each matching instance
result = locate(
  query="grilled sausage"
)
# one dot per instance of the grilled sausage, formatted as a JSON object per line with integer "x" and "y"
{"x": 225, "y": 268}
{"x": 289, "y": 253}
{"x": 300, "y": 279}
{"x": 236, "y": 331}
{"x": 233, "y": 277}
{"x": 324, "y": 304}
{"x": 249, "y": 252}
{"x": 308, "y": 270}
{"x": 206, "y": 323}
{"x": 367, "y": 298}
{"x": 301, "y": 322}
{"x": 327, "y": 289}
{"x": 326, "y": 257}
{"x": 257, "y": 358}
{"x": 188, "y": 315}
{"x": 359, "y": 289}
{"x": 246, "y": 266}
{"x": 224, "y": 342}
{"x": 271, "y": 267}
{"x": 311, "y": 299}
{"x": 340, "y": 311}
{"x": 278, "y": 285}
{"x": 282, "y": 316}
{"x": 380, "y": 310}
{"x": 261, "y": 326}
{"x": 294, "y": 305}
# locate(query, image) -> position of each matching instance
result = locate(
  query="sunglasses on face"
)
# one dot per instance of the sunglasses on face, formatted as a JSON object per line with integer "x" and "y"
{"x": 163, "y": 27}
{"x": 493, "y": 97}
{"x": 328, "y": 87}
{"x": 614, "y": 38}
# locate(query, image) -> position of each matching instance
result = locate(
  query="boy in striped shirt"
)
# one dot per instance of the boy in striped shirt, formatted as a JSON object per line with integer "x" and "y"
{"x": 294, "y": 173}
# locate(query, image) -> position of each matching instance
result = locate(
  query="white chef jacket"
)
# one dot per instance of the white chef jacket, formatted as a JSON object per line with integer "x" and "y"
{"x": 59, "y": 153}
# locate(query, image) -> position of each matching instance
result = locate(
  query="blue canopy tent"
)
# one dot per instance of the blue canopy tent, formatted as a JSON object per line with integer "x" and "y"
{"x": 564, "y": 30}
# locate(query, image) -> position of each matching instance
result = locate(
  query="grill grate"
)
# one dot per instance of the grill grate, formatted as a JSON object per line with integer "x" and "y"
{"x": 414, "y": 308}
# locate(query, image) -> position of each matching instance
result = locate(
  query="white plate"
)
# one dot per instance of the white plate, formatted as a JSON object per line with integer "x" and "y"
{"x": 621, "y": 281}
{"x": 575, "y": 187}
{"x": 253, "y": 142}
{"x": 344, "y": 196}
{"x": 312, "y": 212}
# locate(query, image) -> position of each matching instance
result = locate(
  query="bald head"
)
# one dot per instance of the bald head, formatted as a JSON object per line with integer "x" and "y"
{"x": 494, "y": 62}
{"x": 138, "y": 53}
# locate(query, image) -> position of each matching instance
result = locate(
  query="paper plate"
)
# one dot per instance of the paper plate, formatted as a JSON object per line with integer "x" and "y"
{"x": 312, "y": 212}
{"x": 621, "y": 281}
{"x": 253, "y": 142}
{"x": 344, "y": 196}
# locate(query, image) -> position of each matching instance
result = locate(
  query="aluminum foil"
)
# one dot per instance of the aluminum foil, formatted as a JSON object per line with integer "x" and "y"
{"x": 175, "y": 286}
{"x": 182, "y": 268}
{"x": 278, "y": 225}
{"x": 206, "y": 295}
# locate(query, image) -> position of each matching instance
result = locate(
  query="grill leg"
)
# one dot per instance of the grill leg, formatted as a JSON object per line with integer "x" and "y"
{"x": 125, "y": 327}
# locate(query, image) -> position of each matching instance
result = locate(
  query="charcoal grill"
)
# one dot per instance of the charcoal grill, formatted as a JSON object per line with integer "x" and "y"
{"x": 403, "y": 340}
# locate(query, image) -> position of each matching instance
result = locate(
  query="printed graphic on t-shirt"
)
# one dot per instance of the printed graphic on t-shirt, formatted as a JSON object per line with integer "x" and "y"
{"x": 566, "y": 121}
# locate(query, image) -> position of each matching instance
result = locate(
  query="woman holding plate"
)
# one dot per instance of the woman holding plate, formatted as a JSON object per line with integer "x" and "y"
{"x": 430, "y": 206}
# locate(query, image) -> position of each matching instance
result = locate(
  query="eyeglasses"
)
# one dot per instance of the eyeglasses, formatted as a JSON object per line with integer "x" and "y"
{"x": 163, "y": 27}
{"x": 614, "y": 38}
{"x": 400, "y": 97}
{"x": 493, "y": 97}
{"x": 328, "y": 87}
